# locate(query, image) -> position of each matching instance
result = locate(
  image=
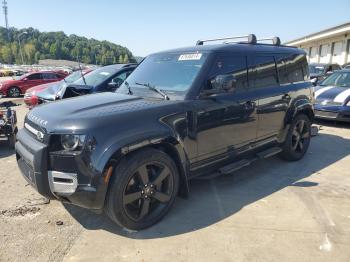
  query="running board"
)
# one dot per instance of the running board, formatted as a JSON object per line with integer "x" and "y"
{"x": 235, "y": 166}
{"x": 269, "y": 152}
{"x": 246, "y": 162}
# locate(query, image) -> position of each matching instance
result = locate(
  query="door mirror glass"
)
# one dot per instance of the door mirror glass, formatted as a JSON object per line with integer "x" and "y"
{"x": 224, "y": 83}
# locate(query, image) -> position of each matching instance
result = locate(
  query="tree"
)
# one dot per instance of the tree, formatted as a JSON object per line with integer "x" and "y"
{"x": 57, "y": 45}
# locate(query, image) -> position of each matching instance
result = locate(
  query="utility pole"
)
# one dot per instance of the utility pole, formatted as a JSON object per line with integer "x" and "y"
{"x": 20, "y": 47}
{"x": 4, "y": 7}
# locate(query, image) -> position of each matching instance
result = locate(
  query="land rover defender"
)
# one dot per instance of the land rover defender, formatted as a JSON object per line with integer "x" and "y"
{"x": 189, "y": 112}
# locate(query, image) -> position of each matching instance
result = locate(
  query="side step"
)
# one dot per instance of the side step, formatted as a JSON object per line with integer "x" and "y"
{"x": 269, "y": 152}
{"x": 235, "y": 166}
{"x": 230, "y": 168}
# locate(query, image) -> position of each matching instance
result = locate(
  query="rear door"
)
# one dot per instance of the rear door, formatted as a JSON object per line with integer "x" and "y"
{"x": 50, "y": 77}
{"x": 273, "y": 99}
{"x": 32, "y": 80}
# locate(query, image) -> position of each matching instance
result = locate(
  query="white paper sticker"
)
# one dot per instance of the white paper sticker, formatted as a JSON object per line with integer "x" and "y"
{"x": 105, "y": 73}
{"x": 196, "y": 56}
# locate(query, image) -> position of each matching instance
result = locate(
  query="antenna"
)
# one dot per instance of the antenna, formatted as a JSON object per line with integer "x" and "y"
{"x": 4, "y": 7}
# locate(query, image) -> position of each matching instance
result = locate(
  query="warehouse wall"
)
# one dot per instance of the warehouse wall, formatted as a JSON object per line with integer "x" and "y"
{"x": 330, "y": 50}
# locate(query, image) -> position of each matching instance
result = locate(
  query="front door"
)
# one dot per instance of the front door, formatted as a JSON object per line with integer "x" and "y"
{"x": 226, "y": 122}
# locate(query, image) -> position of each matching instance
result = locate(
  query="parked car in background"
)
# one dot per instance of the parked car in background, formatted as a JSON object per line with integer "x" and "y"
{"x": 104, "y": 79}
{"x": 17, "y": 86}
{"x": 34, "y": 96}
{"x": 319, "y": 71}
{"x": 346, "y": 66}
{"x": 332, "y": 97}
{"x": 183, "y": 113}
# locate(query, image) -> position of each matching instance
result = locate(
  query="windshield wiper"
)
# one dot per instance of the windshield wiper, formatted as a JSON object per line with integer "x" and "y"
{"x": 155, "y": 89}
{"x": 128, "y": 87}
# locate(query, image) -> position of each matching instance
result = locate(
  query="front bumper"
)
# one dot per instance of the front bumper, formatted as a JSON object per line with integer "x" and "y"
{"x": 65, "y": 178}
{"x": 336, "y": 113}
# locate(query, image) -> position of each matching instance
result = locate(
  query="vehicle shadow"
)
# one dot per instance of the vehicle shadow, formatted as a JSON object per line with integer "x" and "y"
{"x": 211, "y": 201}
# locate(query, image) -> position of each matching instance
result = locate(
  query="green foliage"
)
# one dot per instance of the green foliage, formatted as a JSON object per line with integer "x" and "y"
{"x": 37, "y": 45}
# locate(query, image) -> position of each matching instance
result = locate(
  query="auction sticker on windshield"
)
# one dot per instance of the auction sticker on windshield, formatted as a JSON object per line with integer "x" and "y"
{"x": 196, "y": 56}
{"x": 105, "y": 73}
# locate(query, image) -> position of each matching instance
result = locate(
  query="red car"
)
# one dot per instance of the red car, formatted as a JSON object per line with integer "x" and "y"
{"x": 50, "y": 90}
{"x": 18, "y": 86}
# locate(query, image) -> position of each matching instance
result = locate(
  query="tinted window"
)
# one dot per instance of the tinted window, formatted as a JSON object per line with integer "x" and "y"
{"x": 292, "y": 68}
{"x": 230, "y": 64}
{"x": 49, "y": 76}
{"x": 262, "y": 72}
{"x": 34, "y": 77}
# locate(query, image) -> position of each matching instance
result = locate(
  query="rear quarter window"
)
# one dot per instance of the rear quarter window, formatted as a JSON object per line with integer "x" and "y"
{"x": 292, "y": 68}
{"x": 262, "y": 71}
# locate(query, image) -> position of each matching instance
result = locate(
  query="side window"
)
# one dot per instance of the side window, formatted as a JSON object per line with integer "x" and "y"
{"x": 294, "y": 68}
{"x": 230, "y": 64}
{"x": 49, "y": 76}
{"x": 262, "y": 72}
{"x": 34, "y": 77}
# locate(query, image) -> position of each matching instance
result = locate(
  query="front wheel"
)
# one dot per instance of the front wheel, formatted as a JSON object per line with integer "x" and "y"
{"x": 143, "y": 189}
{"x": 298, "y": 139}
{"x": 14, "y": 92}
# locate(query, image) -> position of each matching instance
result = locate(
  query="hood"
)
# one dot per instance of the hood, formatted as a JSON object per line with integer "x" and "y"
{"x": 332, "y": 93}
{"x": 75, "y": 90}
{"x": 41, "y": 88}
{"x": 51, "y": 91}
{"x": 90, "y": 111}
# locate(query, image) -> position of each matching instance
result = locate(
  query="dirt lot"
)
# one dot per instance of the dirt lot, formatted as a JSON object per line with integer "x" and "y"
{"x": 272, "y": 211}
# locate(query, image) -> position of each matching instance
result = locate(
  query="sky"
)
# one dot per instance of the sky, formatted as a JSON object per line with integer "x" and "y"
{"x": 149, "y": 26}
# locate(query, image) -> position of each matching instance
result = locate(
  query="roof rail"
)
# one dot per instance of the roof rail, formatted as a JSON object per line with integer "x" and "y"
{"x": 251, "y": 39}
{"x": 275, "y": 40}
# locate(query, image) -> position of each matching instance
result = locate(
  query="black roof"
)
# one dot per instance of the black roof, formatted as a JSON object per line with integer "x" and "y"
{"x": 238, "y": 47}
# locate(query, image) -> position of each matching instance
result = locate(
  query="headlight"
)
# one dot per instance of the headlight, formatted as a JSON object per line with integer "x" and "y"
{"x": 72, "y": 142}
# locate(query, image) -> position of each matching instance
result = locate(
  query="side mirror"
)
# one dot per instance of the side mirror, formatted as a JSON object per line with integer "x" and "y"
{"x": 221, "y": 84}
{"x": 112, "y": 85}
{"x": 314, "y": 81}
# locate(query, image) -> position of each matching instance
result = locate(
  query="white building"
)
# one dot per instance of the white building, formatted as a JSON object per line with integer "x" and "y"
{"x": 327, "y": 46}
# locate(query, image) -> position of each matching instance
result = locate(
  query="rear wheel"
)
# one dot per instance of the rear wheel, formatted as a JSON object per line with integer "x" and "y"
{"x": 143, "y": 189}
{"x": 298, "y": 139}
{"x": 14, "y": 92}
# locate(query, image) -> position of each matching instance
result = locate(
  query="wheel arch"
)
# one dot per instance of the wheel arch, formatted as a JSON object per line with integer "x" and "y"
{"x": 301, "y": 105}
{"x": 169, "y": 145}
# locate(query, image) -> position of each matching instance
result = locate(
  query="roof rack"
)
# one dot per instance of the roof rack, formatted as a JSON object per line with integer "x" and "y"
{"x": 275, "y": 40}
{"x": 251, "y": 39}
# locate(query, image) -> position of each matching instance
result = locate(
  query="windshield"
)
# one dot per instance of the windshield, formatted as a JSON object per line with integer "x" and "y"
{"x": 172, "y": 73}
{"x": 337, "y": 79}
{"x": 97, "y": 76}
{"x": 73, "y": 77}
{"x": 316, "y": 69}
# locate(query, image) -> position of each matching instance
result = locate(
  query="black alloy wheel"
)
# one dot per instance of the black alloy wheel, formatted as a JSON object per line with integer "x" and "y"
{"x": 298, "y": 139}
{"x": 148, "y": 192}
{"x": 142, "y": 189}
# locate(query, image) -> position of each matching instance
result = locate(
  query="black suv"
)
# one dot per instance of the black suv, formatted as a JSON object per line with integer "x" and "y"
{"x": 184, "y": 113}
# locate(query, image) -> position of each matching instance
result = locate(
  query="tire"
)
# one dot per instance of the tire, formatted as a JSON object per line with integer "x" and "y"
{"x": 14, "y": 92}
{"x": 142, "y": 190}
{"x": 298, "y": 139}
